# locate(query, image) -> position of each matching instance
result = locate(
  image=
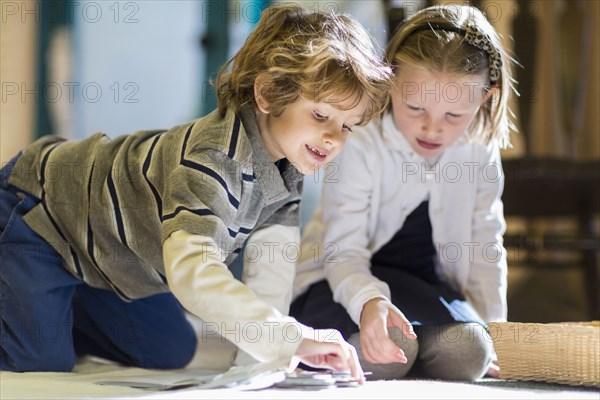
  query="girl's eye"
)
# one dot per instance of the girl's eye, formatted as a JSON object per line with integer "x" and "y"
{"x": 453, "y": 115}
{"x": 319, "y": 116}
{"x": 346, "y": 128}
{"x": 414, "y": 108}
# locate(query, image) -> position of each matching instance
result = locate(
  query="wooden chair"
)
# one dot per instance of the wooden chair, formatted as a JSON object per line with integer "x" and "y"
{"x": 548, "y": 189}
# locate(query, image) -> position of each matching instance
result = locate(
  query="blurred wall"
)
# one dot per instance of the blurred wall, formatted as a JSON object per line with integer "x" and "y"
{"x": 567, "y": 60}
{"x": 17, "y": 79}
{"x": 129, "y": 65}
{"x": 138, "y": 66}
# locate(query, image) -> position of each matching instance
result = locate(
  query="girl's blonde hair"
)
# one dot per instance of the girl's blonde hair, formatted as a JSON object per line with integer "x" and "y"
{"x": 324, "y": 57}
{"x": 436, "y": 38}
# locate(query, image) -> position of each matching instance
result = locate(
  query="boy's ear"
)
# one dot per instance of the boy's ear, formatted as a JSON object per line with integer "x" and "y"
{"x": 260, "y": 83}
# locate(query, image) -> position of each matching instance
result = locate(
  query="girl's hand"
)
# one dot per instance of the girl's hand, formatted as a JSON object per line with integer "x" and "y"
{"x": 377, "y": 315}
{"x": 334, "y": 353}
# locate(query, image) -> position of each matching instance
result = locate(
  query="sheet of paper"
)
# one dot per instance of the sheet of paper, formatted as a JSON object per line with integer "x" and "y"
{"x": 248, "y": 377}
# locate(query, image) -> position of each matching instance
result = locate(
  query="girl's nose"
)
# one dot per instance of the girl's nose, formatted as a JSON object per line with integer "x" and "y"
{"x": 431, "y": 128}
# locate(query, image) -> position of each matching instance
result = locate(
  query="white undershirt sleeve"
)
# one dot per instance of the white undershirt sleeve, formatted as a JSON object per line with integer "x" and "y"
{"x": 269, "y": 267}
{"x": 204, "y": 285}
{"x": 270, "y": 260}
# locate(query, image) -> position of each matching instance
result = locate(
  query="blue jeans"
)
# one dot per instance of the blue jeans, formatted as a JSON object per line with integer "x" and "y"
{"x": 48, "y": 316}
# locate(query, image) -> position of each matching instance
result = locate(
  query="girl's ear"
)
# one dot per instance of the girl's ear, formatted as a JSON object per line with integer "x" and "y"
{"x": 494, "y": 90}
{"x": 260, "y": 83}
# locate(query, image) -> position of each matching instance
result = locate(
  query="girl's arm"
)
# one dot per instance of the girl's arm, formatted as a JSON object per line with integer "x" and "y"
{"x": 346, "y": 215}
{"x": 486, "y": 285}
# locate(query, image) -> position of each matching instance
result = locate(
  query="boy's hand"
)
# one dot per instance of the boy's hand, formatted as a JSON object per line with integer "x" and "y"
{"x": 377, "y": 347}
{"x": 335, "y": 354}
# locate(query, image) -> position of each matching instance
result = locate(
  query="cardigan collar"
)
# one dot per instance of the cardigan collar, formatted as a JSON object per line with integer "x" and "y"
{"x": 277, "y": 181}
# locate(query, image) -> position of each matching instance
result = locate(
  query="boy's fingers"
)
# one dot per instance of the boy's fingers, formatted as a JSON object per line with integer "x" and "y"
{"x": 344, "y": 358}
{"x": 355, "y": 368}
{"x": 337, "y": 363}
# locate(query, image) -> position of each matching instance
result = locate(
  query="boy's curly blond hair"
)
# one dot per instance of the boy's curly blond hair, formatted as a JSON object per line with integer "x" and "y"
{"x": 322, "y": 57}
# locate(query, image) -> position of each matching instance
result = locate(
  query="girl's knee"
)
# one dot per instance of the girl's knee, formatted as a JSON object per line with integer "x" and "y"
{"x": 476, "y": 355}
{"x": 461, "y": 352}
{"x": 410, "y": 347}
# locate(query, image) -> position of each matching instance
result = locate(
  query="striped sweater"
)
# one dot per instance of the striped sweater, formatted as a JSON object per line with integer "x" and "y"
{"x": 107, "y": 205}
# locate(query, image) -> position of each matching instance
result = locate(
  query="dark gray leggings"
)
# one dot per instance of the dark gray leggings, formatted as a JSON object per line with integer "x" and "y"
{"x": 452, "y": 344}
{"x": 456, "y": 352}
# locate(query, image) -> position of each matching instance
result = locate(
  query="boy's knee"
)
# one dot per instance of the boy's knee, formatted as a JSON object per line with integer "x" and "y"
{"x": 38, "y": 362}
{"x": 173, "y": 355}
{"x": 461, "y": 352}
{"x": 56, "y": 365}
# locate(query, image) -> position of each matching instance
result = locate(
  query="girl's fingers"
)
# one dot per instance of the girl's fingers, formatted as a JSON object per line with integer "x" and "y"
{"x": 383, "y": 350}
{"x": 376, "y": 344}
{"x": 367, "y": 352}
{"x": 396, "y": 318}
{"x": 408, "y": 330}
{"x": 388, "y": 352}
{"x": 371, "y": 349}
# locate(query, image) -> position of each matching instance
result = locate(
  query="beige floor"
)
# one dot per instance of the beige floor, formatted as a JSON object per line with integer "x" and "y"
{"x": 83, "y": 383}
{"x": 217, "y": 355}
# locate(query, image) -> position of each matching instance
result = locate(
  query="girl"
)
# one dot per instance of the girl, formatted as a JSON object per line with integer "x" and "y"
{"x": 97, "y": 233}
{"x": 410, "y": 225}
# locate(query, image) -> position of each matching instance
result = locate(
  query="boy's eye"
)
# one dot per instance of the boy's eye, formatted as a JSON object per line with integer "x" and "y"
{"x": 453, "y": 115}
{"x": 346, "y": 128}
{"x": 414, "y": 108}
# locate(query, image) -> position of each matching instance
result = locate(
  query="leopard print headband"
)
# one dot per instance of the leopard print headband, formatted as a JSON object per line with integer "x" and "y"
{"x": 477, "y": 39}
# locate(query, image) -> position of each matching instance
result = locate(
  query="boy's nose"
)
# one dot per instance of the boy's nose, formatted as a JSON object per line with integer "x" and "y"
{"x": 334, "y": 139}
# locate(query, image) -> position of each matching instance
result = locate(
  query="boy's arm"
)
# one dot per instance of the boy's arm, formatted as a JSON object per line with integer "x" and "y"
{"x": 204, "y": 285}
